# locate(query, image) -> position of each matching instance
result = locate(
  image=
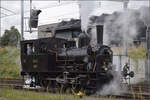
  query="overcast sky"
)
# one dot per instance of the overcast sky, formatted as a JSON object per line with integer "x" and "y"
{"x": 54, "y": 11}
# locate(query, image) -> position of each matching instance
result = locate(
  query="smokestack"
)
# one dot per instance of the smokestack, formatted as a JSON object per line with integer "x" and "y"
{"x": 99, "y": 31}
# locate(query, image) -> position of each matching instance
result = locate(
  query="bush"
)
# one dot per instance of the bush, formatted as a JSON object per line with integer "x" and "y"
{"x": 11, "y": 37}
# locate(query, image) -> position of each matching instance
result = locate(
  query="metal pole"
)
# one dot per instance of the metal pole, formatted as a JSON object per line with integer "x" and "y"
{"x": 125, "y": 7}
{"x": 30, "y": 15}
{"x": 149, "y": 3}
{"x": 120, "y": 68}
{"x": 0, "y": 18}
{"x": 147, "y": 62}
{"x": 147, "y": 69}
{"x": 148, "y": 32}
{"x": 146, "y": 66}
{"x": 148, "y": 52}
{"x": 22, "y": 19}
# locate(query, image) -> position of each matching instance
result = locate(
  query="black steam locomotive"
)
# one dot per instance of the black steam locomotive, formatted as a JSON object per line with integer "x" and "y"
{"x": 67, "y": 59}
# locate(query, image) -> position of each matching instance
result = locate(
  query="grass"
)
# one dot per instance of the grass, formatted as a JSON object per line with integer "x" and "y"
{"x": 134, "y": 52}
{"x": 12, "y": 94}
{"x": 30, "y": 95}
{"x": 9, "y": 62}
{"x": 137, "y": 53}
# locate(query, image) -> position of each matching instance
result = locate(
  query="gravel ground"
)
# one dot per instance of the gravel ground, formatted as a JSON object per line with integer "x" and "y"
{"x": 2, "y": 98}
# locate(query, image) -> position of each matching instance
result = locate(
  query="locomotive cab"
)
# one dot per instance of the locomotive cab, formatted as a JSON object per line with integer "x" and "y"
{"x": 35, "y": 56}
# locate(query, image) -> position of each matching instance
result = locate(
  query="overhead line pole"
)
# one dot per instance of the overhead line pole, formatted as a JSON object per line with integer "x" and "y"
{"x": 149, "y": 3}
{"x": 147, "y": 69}
{"x": 30, "y": 15}
{"x": 148, "y": 48}
{"x": 0, "y": 18}
{"x": 22, "y": 19}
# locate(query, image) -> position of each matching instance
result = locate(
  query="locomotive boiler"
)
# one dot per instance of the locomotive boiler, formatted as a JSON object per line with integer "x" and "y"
{"x": 67, "y": 60}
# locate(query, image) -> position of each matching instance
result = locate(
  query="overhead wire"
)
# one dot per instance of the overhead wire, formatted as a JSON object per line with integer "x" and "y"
{"x": 51, "y": 7}
{"x": 7, "y": 10}
{"x": 10, "y": 11}
{"x": 40, "y": 8}
{"x": 4, "y": 14}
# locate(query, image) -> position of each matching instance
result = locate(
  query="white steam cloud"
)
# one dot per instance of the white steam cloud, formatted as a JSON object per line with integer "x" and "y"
{"x": 145, "y": 15}
{"x": 114, "y": 87}
{"x": 123, "y": 26}
{"x": 86, "y": 11}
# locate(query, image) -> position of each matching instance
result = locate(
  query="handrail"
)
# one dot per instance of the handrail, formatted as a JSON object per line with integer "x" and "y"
{"x": 57, "y": 56}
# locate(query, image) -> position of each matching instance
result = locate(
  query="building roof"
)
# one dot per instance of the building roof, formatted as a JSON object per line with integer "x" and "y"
{"x": 72, "y": 24}
{"x": 98, "y": 19}
{"x": 47, "y": 27}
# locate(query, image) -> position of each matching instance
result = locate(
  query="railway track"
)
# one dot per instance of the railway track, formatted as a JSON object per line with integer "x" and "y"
{"x": 135, "y": 96}
{"x": 136, "y": 92}
{"x": 128, "y": 96}
{"x": 9, "y": 82}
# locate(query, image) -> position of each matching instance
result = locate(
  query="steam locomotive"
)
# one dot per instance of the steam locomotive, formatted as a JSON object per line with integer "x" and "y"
{"x": 67, "y": 60}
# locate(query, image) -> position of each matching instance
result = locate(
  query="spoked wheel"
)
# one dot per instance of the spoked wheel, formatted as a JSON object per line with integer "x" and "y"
{"x": 44, "y": 83}
{"x": 89, "y": 91}
{"x": 76, "y": 88}
{"x": 61, "y": 88}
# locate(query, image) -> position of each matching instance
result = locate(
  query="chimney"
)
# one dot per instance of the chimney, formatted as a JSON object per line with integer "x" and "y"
{"x": 99, "y": 31}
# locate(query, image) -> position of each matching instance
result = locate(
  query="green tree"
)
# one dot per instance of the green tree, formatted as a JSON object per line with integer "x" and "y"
{"x": 11, "y": 37}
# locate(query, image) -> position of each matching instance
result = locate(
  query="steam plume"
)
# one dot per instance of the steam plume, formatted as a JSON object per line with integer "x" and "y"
{"x": 86, "y": 11}
{"x": 124, "y": 26}
{"x": 114, "y": 87}
{"x": 121, "y": 27}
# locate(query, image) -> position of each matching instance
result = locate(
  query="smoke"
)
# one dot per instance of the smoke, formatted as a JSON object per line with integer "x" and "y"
{"x": 86, "y": 11}
{"x": 119, "y": 27}
{"x": 145, "y": 15}
{"x": 139, "y": 71}
{"x": 123, "y": 27}
{"x": 114, "y": 87}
